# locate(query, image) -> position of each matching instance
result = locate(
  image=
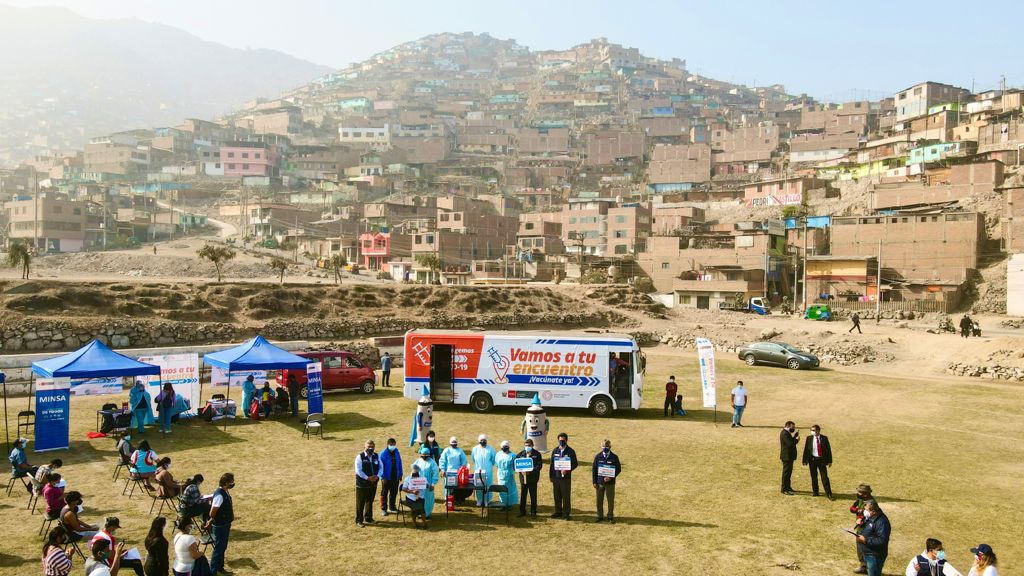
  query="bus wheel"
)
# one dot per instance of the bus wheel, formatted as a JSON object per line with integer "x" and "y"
{"x": 601, "y": 406}
{"x": 481, "y": 402}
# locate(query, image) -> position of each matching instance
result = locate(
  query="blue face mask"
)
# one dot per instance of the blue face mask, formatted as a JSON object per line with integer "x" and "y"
{"x": 941, "y": 555}
{"x": 527, "y": 448}
{"x": 391, "y": 448}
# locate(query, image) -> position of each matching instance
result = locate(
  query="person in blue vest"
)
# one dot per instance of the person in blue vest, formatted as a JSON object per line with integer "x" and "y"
{"x": 390, "y": 478}
{"x": 483, "y": 468}
{"x": 140, "y": 402}
{"x": 248, "y": 391}
{"x": 452, "y": 458}
{"x": 367, "y": 466}
{"x": 931, "y": 562}
{"x": 385, "y": 370}
{"x": 505, "y": 462}
{"x": 222, "y": 514}
{"x": 605, "y": 470}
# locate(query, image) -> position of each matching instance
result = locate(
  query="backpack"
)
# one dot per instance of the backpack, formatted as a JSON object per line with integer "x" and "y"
{"x": 254, "y": 410}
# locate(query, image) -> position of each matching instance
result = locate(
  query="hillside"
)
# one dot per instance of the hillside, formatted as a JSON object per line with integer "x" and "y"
{"x": 99, "y": 76}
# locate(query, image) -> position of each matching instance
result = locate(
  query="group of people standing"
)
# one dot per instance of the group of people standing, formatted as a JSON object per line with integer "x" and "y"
{"x": 455, "y": 473}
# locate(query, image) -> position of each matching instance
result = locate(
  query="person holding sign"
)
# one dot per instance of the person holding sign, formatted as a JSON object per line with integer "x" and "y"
{"x": 563, "y": 462}
{"x": 413, "y": 487}
{"x": 528, "y": 464}
{"x": 429, "y": 473}
{"x": 606, "y": 468}
{"x": 505, "y": 463}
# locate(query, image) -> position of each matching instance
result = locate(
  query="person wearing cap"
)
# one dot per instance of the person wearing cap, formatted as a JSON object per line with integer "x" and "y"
{"x": 857, "y": 508}
{"x": 20, "y": 468}
{"x": 505, "y": 462}
{"x": 985, "y": 561}
{"x": 452, "y": 458}
{"x": 105, "y": 560}
{"x": 528, "y": 480}
{"x": 390, "y": 478}
{"x": 561, "y": 480}
{"x": 874, "y": 539}
{"x": 483, "y": 470}
{"x": 110, "y": 526}
{"x": 367, "y": 468}
{"x": 670, "y": 397}
{"x": 931, "y": 562}
{"x": 604, "y": 484}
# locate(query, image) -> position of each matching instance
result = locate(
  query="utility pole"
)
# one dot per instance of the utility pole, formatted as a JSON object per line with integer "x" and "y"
{"x": 796, "y": 273}
{"x": 878, "y": 295}
{"x": 767, "y": 239}
{"x": 804, "y": 307}
{"x": 35, "y": 195}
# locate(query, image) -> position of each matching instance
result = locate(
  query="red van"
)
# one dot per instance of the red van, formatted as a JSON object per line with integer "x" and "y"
{"x": 341, "y": 371}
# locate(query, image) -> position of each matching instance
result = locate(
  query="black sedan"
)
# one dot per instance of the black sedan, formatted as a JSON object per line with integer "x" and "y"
{"x": 777, "y": 353}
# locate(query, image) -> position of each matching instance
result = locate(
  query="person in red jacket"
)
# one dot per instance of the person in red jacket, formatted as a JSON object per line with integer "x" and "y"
{"x": 670, "y": 397}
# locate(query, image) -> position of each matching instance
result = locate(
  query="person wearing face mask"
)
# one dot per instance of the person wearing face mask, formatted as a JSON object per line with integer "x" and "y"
{"x": 140, "y": 402}
{"x": 562, "y": 457}
{"x": 605, "y": 470}
{"x": 985, "y": 561}
{"x": 414, "y": 497}
{"x": 166, "y": 486}
{"x": 857, "y": 508}
{"x": 390, "y": 478}
{"x": 104, "y": 561}
{"x": 432, "y": 445}
{"x": 222, "y": 514}
{"x": 931, "y": 562}
{"x": 789, "y": 437}
{"x": 528, "y": 480}
{"x": 367, "y": 465}
{"x": 452, "y": 458}
{"x": 429, "y": 471}
{"x": 818, "y": 458}
{"x": 109, "y": 533}
{"x": 874, "y": 539}
{"x": 505, "y": 462}
{"x": 483, "y": 469}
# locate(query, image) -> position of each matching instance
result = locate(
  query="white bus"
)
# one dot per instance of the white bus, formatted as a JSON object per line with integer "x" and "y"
{"x": 596, "y": 370}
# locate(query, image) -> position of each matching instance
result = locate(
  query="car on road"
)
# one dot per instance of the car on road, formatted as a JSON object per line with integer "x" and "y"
{"x": 778, "y": 353}
{"x": 340, "y": 370}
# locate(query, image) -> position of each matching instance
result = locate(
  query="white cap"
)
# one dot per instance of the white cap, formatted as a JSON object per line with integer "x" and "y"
{"x": 453, "y": 439}
{"x": 504, "y": 444}
{"x": 481, "y": 437}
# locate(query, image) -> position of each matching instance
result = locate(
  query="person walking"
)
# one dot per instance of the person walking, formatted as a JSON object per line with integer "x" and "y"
{"x": 966, "y": 326}
{"x": 738, "y": 398}
{"x": 222, "y": 514}
{"x": 605, "y": 470}
{"x": 390, "y": 478}
{"x": 367, "y": 466}
{"x": 856, "y": 323}
{"x": 857, "y": 508}
{"x": 985, "y": 561}
{"x": 818, "y": 458}
{"x": 670, "y": 397}
{"x": 789, "y": 437}
{"x": 293, "y": 394}
{"x": 563, "y": 462}
{"x": 385, "y": 370}
{"x": 874, "y": 540}
{"x": 528, "y": 480}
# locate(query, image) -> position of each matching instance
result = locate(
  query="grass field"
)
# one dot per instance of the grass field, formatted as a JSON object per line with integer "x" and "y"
{"x": 945, "y": 459}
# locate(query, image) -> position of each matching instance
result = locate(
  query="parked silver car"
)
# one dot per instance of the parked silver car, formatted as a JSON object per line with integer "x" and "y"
{"x": 778, "y": 353}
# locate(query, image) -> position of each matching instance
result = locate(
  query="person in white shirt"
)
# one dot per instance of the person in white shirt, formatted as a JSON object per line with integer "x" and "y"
{"x": 414, "y": 498}
{"x": 186, "y": 549}
{"x": 739, "y": 404}
{"x": 931, "y": 562}
{"x": 985, "y": 561}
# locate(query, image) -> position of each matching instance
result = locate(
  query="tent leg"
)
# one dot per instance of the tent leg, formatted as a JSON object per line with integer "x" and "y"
{"x": 7, "y": 425}
{"x": 31, "y": 394}
{"x": 227, "y": 403}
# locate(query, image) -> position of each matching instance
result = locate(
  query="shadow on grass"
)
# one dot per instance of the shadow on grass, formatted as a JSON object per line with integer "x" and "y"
{"x": 638, "y": 521}
{"x": 337, "y": 422}
{"x": 247, "y": 536}
{"x": 8, "y": 561}
{"x": 242, "y": 562}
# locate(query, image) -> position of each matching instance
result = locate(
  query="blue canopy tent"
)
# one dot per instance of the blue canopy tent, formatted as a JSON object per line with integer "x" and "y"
{"x": 94, "y": 360}
{"x": 254, "y": 354}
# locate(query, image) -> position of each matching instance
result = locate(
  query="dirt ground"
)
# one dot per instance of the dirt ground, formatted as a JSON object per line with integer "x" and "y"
{"x": 695, "y": 497}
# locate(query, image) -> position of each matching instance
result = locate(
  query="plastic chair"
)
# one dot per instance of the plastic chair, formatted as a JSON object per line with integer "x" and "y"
{"x": 314, "y": 425}
{"x": 496, "y": 489}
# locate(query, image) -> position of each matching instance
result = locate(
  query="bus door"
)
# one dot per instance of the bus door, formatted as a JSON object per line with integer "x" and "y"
{"x": 621, "y": 372}
{"x": 441, "y": 380}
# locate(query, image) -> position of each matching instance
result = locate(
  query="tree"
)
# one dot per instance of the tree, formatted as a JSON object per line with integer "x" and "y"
{"x": 430, "y": 261}
{"x": 279, "y": 265}
{"x": 19, "y": 255}
{"x": 337, "y": 263}
{"x": 218, "y": 255}
{"x": 293, "y": 247}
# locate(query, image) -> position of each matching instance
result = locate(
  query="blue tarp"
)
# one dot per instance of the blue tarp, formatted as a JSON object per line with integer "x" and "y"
{"x": 256, "y": 354}
{"x": 94, "y": 360}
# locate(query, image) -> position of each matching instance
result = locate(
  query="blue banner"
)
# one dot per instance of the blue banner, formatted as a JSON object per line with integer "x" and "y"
{"x": 314, "y": 389}
{"x": 53, "y": 408}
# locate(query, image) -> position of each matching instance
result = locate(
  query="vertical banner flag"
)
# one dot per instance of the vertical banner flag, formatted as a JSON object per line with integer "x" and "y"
{"x": 180, "y": 370}
{"x": 706, "y": 356}
{"x": 314, "y": 389}
{"x": 96, "y": 386}
{"x": 53, "y": 409}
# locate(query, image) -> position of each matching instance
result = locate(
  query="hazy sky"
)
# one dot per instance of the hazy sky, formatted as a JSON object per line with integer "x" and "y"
{"x": 827, "y": 49}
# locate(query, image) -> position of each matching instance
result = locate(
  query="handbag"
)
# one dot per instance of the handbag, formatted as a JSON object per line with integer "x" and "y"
{"x": 201, "y": 567}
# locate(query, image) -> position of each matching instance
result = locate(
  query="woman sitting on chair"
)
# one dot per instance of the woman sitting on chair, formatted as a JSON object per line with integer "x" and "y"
{"x": 192, "y": 501}
{"x": 414, "y": 498}
{"x": 166, "y": 487}
{"x": 53, "y": 493}
{"x": 143, "y": 463}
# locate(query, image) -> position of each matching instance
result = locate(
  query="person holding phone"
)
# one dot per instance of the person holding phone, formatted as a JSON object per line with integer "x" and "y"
{"x": 789, "y": 437}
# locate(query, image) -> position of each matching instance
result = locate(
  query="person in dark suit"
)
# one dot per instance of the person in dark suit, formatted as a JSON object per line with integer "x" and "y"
{"x": 818, "y": 457}
{"x": 561, "y": 480}
{"x": 528, "y": 480}
{"x": 788, "y": 440}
